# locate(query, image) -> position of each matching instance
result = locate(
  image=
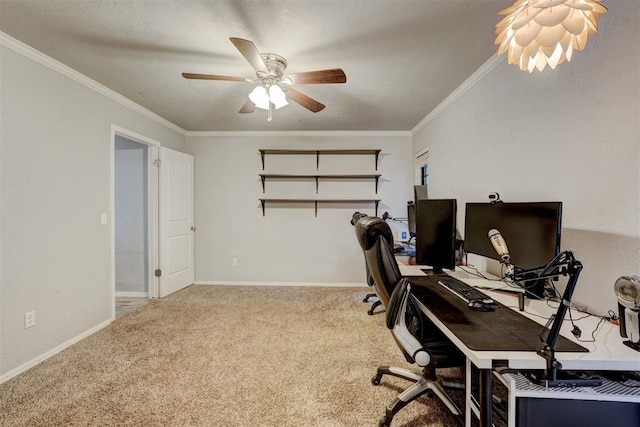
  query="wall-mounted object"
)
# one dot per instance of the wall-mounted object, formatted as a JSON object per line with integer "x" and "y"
{"x": 277, "y": 151}
{"x": 317, "y": 177}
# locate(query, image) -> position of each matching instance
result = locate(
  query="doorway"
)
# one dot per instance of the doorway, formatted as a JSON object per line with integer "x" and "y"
{"x": 134, "y": 225}
{"x": 421, "y": 164}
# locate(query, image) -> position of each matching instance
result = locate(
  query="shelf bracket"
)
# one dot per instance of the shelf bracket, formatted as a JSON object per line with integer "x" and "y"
{"x": 262, "y": 202}
{"x": 318, "y": 160}
{"x": 262, "y": 157}
{"x": 316, "y": 208}
{"x": 376, "y": 160}
{"x": 377, "y": 202}
{"x": 377, "y": 178}
{"x": 317, "y": 179}
{"x": 263, "y": 178}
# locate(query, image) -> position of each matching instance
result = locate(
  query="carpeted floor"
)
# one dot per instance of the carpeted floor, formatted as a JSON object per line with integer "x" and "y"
{"x": 225, "y": 356}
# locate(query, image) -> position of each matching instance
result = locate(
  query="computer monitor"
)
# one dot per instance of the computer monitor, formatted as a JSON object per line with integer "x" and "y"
{"x": 436, "y": 233}
{"x": 420, "y": 193}
{"x": 530, "y": 230}
{"x": 411, "y": 218}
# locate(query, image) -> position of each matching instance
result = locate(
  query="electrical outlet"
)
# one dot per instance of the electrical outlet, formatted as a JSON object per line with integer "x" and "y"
{"x": 29, "y": 319}
{"x": 234, "y": 261}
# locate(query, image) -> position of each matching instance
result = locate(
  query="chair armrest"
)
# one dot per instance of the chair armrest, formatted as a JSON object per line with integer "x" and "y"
{"x": 397, "y": 322}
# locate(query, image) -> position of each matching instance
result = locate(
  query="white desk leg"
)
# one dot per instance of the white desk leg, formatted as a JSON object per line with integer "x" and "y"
{"x": 469, "y": 406}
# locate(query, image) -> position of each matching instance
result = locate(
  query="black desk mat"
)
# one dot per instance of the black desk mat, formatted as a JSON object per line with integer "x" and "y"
{"x": 499, "y": 330}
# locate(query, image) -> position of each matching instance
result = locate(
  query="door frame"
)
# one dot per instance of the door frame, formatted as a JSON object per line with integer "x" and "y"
{"x": 417, "y": 178}
{"x": 152, "y": 210}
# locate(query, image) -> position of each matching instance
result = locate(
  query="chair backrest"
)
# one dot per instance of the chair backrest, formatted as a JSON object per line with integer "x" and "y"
{"x": 355, "y": 220}
{"x": 378, "y": 252}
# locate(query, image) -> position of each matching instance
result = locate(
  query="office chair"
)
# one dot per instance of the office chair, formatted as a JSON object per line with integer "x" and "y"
{"x": 420, "y": 340}
{"x": 357, "y": 216}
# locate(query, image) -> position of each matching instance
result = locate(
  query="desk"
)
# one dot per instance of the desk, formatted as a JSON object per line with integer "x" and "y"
{"x": 606, "y": 353}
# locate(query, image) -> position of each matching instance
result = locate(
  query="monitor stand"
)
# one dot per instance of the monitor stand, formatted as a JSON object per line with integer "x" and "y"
{"x": 433, "y": 271}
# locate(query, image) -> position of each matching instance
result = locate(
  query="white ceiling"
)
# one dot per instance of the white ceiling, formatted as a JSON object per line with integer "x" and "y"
{"x": 401, "y": 57}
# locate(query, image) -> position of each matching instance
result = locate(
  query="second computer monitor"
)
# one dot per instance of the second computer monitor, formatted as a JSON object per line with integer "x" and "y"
{"x": 436, "y": 233}
{"x": 530, "y": 230}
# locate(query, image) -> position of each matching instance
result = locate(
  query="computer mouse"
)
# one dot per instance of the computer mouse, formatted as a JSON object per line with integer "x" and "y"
{"x": 478, "y": 305}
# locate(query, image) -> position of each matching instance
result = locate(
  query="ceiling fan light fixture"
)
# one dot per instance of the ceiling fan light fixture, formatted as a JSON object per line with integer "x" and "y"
{"x": 277, "y": 96}
{"x": 260, "y": 97}
{"x": 537, "y": 33}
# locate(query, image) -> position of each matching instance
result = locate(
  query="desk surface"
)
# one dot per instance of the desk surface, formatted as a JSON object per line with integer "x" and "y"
{"x": 500, "y": 330}
{"x": 606, "y": 353}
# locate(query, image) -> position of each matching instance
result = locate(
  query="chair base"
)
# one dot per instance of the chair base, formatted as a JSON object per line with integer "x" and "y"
{"x": 367, "y": 296}
{"x": 374, "y": 305}
{"x": 428, "y": 382}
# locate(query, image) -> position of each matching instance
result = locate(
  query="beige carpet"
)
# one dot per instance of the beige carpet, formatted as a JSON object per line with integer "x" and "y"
{"x": 225, "y": 356}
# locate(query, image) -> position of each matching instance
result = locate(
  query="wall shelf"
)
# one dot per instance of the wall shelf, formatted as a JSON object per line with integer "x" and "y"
{"x": 316, "y": 201}
{"x": 264, "y": 176}
{"x": 279, "y": 151}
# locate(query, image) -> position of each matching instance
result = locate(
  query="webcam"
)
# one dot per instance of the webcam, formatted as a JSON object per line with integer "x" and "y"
{"x": 494, "y": 198}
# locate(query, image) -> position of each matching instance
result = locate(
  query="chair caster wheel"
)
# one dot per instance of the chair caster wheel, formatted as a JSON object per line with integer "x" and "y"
{"x": 376, "y": 380}
{"x": 384, "y": 422}
{"x": 370, "y": 312}
{"x": 365, "y": 299}
{"x": 430, "y": 394}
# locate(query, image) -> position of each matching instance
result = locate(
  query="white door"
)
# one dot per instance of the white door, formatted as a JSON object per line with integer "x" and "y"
{"x": 177, "y": 226}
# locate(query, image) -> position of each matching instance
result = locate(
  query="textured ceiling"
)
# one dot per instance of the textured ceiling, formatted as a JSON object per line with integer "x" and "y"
{"x": 401, "y": 57}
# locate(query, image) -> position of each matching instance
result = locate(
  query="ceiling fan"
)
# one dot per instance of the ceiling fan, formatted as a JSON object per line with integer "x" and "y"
{"x": 273, "y": 88}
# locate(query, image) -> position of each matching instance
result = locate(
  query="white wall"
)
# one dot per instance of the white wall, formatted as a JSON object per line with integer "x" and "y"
{"x": 131, "y": 214}
{"x": 55, "y": 176}
{"x": 570, "y": 134}
{"x": 289, "y": 244}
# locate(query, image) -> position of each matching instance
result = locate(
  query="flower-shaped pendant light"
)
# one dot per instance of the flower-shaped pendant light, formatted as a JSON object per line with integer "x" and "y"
{"x": 537, "y": 33}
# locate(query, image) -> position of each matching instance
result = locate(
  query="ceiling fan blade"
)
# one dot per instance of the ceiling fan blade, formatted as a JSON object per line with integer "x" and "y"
{"x": 250, "y": 52}
{"x": 335, "y": 75}
{"x": 302, "y": 99}
{"x": 212, "y": 77}
{"x": 248, "y": 107}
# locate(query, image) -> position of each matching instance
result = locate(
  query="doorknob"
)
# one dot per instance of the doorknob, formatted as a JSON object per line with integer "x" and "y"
{"x": 193, "y": 228}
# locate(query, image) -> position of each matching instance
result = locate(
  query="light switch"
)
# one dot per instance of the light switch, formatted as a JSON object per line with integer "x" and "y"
{"x": 103, "y": 219}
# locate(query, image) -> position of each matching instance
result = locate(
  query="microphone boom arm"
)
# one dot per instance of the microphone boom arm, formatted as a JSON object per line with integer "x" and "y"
{"x": 564, "y": 264}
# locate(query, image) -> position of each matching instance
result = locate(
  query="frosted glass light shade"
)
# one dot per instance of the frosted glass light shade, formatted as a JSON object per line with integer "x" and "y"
{"x": 537, "y": 33}
{"x": 277, "y": 96}
{"x": 260, "y": 97}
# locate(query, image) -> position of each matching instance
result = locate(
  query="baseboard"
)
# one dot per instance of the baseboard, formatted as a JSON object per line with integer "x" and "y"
{"x": 232, "y": 283}
{"x": 33, "y": 362}
{"x": 132, "y": 294}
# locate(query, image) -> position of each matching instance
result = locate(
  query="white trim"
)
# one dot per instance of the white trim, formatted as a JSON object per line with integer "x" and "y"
{"x": 298, "y": 133}
{"x": 33, "y": 362}
{"x": 293, "y": 284}
{"x": 417, "y": 167}
{"x": 132, "y": 294}
{"x": 419, "y": 153}
{"x": 460, "y": 90}
{"x": 47, "y": 61}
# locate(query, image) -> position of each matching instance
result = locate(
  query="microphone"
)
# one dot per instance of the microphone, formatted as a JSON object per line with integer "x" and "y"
{"x": 501, "y": 248}
{"x": 499, "y": 245}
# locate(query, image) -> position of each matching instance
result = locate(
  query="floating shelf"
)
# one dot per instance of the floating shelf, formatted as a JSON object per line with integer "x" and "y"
{"x": 264, "y": 176}
{"x": 316, "y": 201}
{"x": 375, "y": 152}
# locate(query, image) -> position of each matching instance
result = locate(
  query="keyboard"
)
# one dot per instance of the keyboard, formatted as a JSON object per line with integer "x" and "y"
{"x": 464, "y": 291}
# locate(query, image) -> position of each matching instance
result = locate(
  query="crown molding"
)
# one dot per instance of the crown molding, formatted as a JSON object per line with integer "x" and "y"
{"x": 47, "y": 61}
{"x": 478, "y": 75}
{"x": 297, "y": 133}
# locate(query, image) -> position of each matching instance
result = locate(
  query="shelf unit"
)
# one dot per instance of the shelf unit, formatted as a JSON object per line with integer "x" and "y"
{"x": 279, "y": 151}
{"x": 264, "y": 176}
{"x": 317, "y": 200}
